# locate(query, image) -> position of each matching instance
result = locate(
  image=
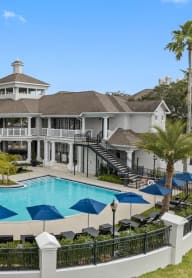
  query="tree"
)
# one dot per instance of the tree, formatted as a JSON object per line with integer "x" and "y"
{"x": 169, "y": 145}
{"x": 181, "y": 40}
{"x": 174, "y": 96}
{"x": 6, "y": 165}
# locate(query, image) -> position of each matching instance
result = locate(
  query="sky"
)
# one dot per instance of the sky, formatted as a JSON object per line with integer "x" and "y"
{"x": 100, "y": 45}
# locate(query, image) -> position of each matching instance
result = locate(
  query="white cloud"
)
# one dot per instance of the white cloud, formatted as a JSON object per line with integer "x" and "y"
{"x": 9, "y": 14}
{"x": 176, "y": 1}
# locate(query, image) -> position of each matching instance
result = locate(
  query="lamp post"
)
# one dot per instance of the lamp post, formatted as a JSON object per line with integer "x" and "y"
{"x": 113, "y": 208}
{"x": 154, "y": 161}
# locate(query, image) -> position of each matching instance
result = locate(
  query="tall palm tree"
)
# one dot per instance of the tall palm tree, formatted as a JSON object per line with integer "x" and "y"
{"x": 169, "y": 145}
{"x": 181, "y": 40}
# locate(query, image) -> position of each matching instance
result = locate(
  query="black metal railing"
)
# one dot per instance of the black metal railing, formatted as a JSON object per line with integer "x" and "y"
{"x": 103, "y": 251}
{"x": 187, "y": 226}
{"x": 19, "y": 258}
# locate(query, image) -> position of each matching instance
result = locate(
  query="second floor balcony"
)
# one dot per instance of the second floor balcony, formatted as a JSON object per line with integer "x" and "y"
{"x": 44, "y": 132}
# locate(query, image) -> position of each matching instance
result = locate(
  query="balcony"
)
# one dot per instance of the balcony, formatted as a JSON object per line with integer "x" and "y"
{"x": 46, "y": 132}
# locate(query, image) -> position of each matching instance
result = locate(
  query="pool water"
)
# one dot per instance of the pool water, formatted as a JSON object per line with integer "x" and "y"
{"x": 58, "y": 192}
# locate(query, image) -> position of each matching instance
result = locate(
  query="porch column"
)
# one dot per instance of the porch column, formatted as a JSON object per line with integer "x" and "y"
{"x": 70, "y": 164}
{"x": 38, "y": 125}
{"x": 52, "y": 151}
{"x": 29, "y": 126}
{"x": 3, "y": 122}
{"x": 105, "y": 129}
{"x": 29, "y": 151}
{"x": 45, "y": 152}
{"x": 129, "y": 158}
{"x": 38, "y": 150}
{"x": 83, "y": 125}
{"x": 49, "y": 123}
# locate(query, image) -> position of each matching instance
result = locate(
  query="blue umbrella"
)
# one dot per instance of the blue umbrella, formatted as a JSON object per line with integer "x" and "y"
{"x": 131, "y": 198}
{"x": 44, "y": 212}
{"x": 186, "y": 176}
{"x": 89, "y": 206}
{"x": 5, "y": 213}
{"x": 175, "y": 182}
{"x": 156, "y": 190}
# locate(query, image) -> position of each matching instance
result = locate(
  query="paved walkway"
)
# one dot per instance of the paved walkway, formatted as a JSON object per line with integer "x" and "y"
{"x": 76, "y": 222}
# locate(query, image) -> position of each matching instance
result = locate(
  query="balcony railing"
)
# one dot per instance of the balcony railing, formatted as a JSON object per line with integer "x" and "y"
{"x": 9, "y": 132}
{"x": 48, "y": 132}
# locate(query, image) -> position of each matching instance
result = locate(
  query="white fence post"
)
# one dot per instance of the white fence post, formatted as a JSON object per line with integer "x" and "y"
{"x": 176, "y": 235}
{"x": 48, "y": 246}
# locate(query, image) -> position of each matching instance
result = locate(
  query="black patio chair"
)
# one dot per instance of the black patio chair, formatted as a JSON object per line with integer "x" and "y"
{"x": 68, "y": 234}
{"x": 6, "y": 238}
{"x": 127, "y": 224}
{"x": 105, "y": 229}
{"x": 91, "y": 231}
{"x": 27, "y": 238}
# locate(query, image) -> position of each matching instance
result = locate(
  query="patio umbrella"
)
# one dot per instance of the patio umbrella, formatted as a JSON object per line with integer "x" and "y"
{"x": 156, "y": 190}
{"x": 186, "y": 176}
{"x": 89, "y": 206}
{"x": 131, "y": 198}
{"x": 6, "y": 213}
{"x": 175, "y": 182}
{"x": 44, "y": 212}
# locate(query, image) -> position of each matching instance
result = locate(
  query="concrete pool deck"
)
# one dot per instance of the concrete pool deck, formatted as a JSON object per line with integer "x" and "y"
{"x": 76, "y": 222}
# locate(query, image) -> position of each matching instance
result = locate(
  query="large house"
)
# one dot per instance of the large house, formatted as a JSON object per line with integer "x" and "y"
{"x": 82, "y": 129}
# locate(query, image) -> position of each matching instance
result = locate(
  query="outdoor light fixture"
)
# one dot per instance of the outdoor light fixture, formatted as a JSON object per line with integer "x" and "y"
{"x": 113, "y": 208}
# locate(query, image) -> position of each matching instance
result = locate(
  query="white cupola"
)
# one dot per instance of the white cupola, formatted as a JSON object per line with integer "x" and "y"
{"x": 17, "y": 66}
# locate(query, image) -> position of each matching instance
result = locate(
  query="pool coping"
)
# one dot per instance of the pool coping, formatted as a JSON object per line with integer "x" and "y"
{"x": 81, "y": 182}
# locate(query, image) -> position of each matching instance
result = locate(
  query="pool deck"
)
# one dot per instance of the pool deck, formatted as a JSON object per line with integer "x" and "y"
{"x": 76, "y": 222}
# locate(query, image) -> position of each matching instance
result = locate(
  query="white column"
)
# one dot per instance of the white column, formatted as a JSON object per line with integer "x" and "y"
{"x": 83, "y": 125}
{"x": 129, "y": 158}
{"x": 38, "y": 125}
{"x": 105, "y": 128}
{"x": 52, "y": 151}
{"x": 49, "y": 122}
{"x": 70, "y": 164}
{"x": 176, "y": 235}
{"x": 29, "y": 126}
{"x": 38, "y": 150}
{"x": 45, "y": 152}
{"x": 3, "y": 122}
{"x": 29, "y": 151}
{"x": 48, "y": 246}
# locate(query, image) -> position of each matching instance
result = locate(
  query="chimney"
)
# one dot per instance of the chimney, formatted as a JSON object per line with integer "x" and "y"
{"x": 17, "y": 66}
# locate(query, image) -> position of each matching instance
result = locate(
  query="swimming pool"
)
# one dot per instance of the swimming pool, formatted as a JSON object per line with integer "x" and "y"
{"x": 61, "y": 193}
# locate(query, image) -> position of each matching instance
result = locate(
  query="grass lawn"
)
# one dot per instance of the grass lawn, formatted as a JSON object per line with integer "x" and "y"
{"x": 182, "y": 270}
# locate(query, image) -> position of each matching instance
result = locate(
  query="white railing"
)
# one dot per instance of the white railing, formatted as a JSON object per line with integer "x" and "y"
{"x": 48, "y": 132}
{"x": 9, "y": 132}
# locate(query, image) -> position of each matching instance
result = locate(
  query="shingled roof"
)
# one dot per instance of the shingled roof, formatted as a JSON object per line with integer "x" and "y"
{"x": 20, "y": 77}
{"x": 9, "y": 106}
{"x": 124, "y": 137}
{"x": 68, "y": 103}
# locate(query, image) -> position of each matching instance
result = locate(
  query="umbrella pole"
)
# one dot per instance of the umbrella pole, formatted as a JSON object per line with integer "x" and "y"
{"x": 154, "y": 201}
{"x": 88, "y": 220}
{"x": 130, "y": 210}
{"x": 43, "y": 225}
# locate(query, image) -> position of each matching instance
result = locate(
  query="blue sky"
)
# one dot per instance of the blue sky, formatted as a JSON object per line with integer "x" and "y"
{"x": 101, "y": 45}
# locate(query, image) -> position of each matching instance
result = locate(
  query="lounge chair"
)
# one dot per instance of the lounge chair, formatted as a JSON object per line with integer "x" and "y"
{"x": 142, "y": 220}
{"x": 127, "y": 223}
{"x": 68, "y": 234}
{"x": 91, "y": 231}
{"x": 6, "y": 238}
{"x": 105, "y": 229}
{"x": 27, "y": 238}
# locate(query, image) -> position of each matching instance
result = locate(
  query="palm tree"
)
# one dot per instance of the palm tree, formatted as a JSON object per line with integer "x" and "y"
{"x": 169, "y": 145}
{"x": 6, "y": 165}
{"x": 181, "y": 40}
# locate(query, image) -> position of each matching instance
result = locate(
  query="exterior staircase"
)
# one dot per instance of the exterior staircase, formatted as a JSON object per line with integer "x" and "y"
{"x": 122, "y": 170}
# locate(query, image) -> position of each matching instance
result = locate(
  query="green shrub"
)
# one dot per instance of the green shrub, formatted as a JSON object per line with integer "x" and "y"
{"x": 111, "y": 178}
